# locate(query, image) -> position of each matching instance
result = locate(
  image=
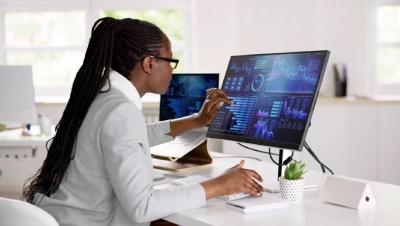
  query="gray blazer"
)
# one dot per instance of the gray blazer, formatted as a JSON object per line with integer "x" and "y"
{"x": 109, "y": 182}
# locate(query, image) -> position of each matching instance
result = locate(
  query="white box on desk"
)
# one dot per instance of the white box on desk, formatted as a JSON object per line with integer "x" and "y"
{"x": 347, "y": 192}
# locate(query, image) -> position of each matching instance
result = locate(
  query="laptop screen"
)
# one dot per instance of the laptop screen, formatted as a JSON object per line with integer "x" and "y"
{"x": 273, "y": 98}
{"x": 186, "y": 94}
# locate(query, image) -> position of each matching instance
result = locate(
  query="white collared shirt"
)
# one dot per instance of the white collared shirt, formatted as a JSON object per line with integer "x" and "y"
{"x": 121, "y": 83}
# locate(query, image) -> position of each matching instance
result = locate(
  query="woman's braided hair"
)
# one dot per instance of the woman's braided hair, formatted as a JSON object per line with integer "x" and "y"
{"x": 114, "y": 44}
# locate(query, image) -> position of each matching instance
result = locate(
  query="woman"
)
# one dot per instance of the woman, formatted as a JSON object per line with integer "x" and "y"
{"x": 98, "y": 169}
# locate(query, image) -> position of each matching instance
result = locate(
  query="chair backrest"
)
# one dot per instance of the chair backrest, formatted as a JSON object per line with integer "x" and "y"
{"x": 19, "y": 213}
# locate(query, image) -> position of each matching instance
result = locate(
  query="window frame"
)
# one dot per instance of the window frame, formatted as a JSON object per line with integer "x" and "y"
{"x": 92, "y": 8}
{"x": 377, "y": 88}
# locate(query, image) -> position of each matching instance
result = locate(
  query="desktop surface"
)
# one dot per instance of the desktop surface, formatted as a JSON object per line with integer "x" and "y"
{"x": 311, "y": 212}
{"x": 273, "y": 98}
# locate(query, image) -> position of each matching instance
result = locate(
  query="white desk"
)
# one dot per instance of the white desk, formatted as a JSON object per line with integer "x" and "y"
{"x": 312, "y": 212}
{"x": 20, "y": 158}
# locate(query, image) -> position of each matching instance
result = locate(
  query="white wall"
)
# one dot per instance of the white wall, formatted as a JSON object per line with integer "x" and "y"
{"x": 215, "y": 34}
{"x": 389, "y": 144}
{"x": 223, "y": 28}
{"x": 228, "y": 27}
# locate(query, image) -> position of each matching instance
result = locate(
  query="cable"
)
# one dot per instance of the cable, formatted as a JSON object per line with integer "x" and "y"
{"x": 308, "y": 148}
{"x": 287, "y": 160}
{"x": 323, "y": 166}
{"x": 253, "y": 149}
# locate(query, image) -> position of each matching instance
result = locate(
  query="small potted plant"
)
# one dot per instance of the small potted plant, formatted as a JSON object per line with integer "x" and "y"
{"x": 292, "y": 184}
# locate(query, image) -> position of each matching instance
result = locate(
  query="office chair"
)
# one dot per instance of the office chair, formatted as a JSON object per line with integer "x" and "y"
{"x": 19, "y": 213}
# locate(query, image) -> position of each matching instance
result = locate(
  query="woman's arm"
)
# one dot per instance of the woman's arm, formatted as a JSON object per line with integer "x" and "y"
{"x": 213, "y": 103}
{"x": 235, "y": 180}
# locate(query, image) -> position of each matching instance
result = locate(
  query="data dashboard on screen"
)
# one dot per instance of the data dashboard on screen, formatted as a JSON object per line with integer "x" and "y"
{"x": 273, "y": 96}
{"x": 186, "y": 94}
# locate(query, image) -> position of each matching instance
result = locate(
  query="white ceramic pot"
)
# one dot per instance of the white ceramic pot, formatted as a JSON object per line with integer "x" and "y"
{"x": 292, "y": 190}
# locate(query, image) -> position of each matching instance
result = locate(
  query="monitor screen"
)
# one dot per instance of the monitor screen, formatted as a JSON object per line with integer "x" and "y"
{"x": 17, "y": 96}
{"x": 273, "y": 98}
{"x": 186, "y": 94}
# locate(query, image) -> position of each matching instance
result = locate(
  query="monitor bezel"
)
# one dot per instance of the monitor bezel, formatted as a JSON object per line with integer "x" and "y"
{"x": 186, "y": 74}
{"x": 277, "y": 144}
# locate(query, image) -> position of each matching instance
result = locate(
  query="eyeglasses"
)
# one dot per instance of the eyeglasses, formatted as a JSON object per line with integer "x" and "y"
{"x": 172, "y": 62}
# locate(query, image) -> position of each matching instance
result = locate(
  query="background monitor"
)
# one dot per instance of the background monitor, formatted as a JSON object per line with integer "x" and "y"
{"x": 273, "y": 98}
{"x": 17, "y": 97}
{"x": 186, "y": 94}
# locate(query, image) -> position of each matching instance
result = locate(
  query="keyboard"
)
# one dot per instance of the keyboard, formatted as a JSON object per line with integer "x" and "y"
{"x": 196, "y": 179}
{"x": 189, "y": 138}
{"x": 233, "y": 196}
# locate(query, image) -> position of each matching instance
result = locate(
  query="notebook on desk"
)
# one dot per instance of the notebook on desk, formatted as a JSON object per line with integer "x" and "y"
{"x": 185, "y": 96}
{"x": 265, "y": 202}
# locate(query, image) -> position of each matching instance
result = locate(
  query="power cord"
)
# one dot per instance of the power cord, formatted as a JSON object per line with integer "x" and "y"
{"x": 284, "y": 163}
{"x": 288, "y": 159}
{"x": 323, "y": 166}
{"x": 256, "y": 150}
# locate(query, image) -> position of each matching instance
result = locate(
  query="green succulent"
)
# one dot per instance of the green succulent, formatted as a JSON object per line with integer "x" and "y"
{"x": 295, "y": 170}
{"x": 2, "y": 127}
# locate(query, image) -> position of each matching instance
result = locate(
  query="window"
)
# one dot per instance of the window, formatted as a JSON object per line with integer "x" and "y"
{"x": 52, "y": 36}
{"x": 170, "y": 21}
{"x": 388, "y": 47}
{"x": 51, "y": 41}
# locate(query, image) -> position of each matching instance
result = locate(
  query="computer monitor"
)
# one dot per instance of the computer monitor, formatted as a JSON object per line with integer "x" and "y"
{"x": 273, "y": 98}
{"x": 186, "y": 94}
{"x": 17, "y": 97}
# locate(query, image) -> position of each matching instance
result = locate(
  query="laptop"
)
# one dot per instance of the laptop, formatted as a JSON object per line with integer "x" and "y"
{"x": 185, "y": 96}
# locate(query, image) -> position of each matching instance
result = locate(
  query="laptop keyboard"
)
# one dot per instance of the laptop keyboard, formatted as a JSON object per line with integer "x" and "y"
{"x": 189, "y": 180}
{"x": 180, "y": 146}
{"x": 188, "y": 138}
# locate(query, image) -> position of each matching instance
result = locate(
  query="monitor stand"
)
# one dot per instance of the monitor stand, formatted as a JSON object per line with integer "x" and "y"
{"x": 280, "y": 166}
{"x": 280, "y": 163}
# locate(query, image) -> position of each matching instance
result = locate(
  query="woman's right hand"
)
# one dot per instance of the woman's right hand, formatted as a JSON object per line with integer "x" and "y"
{"x": 235, "y": 180}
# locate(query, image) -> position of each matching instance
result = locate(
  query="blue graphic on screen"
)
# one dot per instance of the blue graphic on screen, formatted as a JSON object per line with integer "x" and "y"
{"x": 186, "y": 94}
{"x": 271, "y": 95}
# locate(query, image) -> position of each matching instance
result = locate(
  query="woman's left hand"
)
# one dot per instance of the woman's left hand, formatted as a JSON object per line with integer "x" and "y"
{"x": 215, "y": 99}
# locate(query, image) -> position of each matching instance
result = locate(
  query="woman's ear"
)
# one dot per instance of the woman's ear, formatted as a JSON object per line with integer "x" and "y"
{"x": 147, "y": 64}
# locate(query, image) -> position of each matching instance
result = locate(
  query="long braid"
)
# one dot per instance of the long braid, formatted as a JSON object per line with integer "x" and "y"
{"x": 114, "y": 44}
